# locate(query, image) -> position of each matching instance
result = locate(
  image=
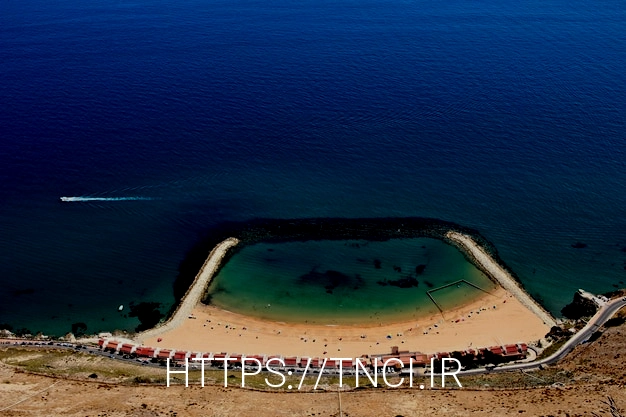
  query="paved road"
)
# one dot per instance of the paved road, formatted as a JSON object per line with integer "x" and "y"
{"x": 601, "y": 317}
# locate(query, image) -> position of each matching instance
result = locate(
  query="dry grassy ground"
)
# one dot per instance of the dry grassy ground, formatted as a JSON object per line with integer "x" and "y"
{"x": 575, "y": 387}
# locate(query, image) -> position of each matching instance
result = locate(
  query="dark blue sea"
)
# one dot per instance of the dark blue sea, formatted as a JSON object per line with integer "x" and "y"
{"x": 505, "y": 116}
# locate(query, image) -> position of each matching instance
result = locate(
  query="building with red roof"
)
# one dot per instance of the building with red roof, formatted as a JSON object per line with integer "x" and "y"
{"x": 164, "y": 354}
{"x": 126, "y": 349}
{"x": 347, "y": 363}
{"x": 421, "y": 359}
{"x": 496, "y": 350}
{"x": 111, "y": 345}
{"x": 145, "y": 352}
{"x": 291, "y": 361}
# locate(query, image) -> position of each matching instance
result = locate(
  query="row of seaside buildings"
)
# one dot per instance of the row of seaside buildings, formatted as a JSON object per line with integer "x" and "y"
{"x": 468, "y": 358}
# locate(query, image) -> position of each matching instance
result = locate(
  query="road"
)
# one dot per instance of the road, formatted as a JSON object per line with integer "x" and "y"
{"x": 602, "y": 315}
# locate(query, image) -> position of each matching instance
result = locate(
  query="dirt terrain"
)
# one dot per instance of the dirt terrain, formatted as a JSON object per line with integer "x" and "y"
{"x": 578, "y": 386}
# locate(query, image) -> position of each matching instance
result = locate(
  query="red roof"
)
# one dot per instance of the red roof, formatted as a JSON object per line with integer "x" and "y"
{"x": 274, "y": 363}
{"x": 100, "y": 342}
{"x": 511, "y": 349}
{"x": 347, "y": 363}
{"x": 406, "y": 360}
{"x": 145, "y": 351}
{"x": 292, "y": 361}
{"x": 331, "y": 364}
{"x": 249, "y": 360}
{"x": 496, "y": 350}
{"x": 303, "y": 361}
{"x": 180, "y": 355}
{"x": 126, "y": 348}
{"x": 421, "y": 359}
{"x": 164, "y": 354}
{"x": 112, "y": 345}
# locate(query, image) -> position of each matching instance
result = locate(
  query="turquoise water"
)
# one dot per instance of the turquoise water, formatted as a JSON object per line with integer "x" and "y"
{"x": 333, "y": 282}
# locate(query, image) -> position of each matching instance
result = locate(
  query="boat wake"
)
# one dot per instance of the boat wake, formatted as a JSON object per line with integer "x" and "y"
{"x": 83, "y": 199}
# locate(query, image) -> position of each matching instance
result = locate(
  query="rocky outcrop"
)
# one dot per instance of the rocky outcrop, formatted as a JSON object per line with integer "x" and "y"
{"x": 579, "y": 307}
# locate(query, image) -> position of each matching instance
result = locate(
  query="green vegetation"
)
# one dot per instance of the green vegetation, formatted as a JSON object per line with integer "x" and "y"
{"x": 556, "y": 345}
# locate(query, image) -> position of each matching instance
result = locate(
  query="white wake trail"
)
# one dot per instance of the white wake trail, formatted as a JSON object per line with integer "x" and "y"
{"x": 82, "y": 199}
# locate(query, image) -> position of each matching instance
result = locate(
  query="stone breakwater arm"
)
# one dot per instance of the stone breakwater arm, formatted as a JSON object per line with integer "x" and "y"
{"x": 499, "y": 274}
{"x": 194, "y": 294}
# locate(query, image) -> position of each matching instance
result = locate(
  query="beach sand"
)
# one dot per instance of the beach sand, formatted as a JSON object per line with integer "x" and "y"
{"x": 495, "y": 319}
{"x": 504, "y": 316}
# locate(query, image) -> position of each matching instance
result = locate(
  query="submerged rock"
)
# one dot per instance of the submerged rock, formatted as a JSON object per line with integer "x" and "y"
{"x": 330, "y": 279}
{"x": 406, "y": 282}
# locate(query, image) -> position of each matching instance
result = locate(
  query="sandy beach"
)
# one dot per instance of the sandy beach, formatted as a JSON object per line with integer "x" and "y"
{"x": 497, "y": 318}
{"x": 475, "y": 325}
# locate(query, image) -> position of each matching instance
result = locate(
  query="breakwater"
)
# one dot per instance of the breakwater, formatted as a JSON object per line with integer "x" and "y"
{"x": 306, "y": 229}
{"x": 196, "y": 290}
{"x": 497, "y": 273}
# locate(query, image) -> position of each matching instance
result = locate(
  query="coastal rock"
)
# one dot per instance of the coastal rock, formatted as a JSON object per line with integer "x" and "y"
{"x": 79, "y": 328}
{"x": 557, "y": 333}
{"x": 579, "y": 307}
